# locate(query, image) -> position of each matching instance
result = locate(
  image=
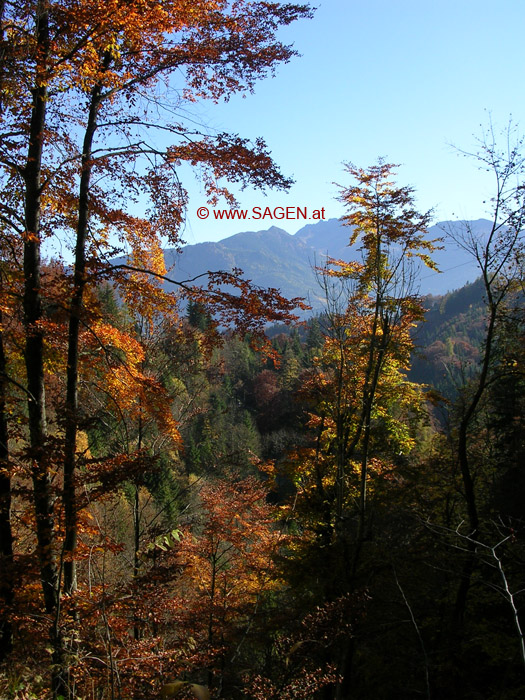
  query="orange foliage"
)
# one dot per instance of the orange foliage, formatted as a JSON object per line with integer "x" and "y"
{"x": 92, "y": 135}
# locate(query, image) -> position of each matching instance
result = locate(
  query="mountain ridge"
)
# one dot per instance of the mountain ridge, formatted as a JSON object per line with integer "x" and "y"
{"x": 276, "y": 258}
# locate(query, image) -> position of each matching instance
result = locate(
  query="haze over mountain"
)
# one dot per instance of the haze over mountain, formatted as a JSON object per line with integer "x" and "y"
{"x": 276, "y": 258}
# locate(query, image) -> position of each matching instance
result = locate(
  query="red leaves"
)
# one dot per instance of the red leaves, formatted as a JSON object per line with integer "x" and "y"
{"x": 238, "y": 303}
{"x": 233, "y": 158}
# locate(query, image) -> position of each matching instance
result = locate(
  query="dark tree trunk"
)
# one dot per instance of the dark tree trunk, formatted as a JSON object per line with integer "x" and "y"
{"x": 34, "y": 347}
{"x": 466, "y": 473}
{"x": 39, "y": 453}
{"x": 6, "y": 535}
{"x": 79, "y": 284}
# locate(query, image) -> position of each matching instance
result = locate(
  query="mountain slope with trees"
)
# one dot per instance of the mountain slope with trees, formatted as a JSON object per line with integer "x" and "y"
{"x": 275, "y": 258}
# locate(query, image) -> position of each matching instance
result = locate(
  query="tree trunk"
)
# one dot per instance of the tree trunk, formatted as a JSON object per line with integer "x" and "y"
{"x": 34, "y": 346}
{"x": 464, "y": 464}
{"x": 79, "y": 283}
{"x": 6, "y": 535}
{"x": 34, "y": 357}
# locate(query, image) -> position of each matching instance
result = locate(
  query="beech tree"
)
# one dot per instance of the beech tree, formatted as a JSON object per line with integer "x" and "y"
{"x": 363, "y": 402}
{"x": 92, "y": 128}
{"x": 392, "y": 237}
{"x": 372, "y": 306}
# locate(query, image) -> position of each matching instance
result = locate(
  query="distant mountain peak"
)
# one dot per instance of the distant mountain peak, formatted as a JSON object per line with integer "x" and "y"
{"x": 276, "y": 258}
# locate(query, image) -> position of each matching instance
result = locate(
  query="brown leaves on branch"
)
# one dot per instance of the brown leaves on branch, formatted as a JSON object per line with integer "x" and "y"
{"x": 239, "y": 303}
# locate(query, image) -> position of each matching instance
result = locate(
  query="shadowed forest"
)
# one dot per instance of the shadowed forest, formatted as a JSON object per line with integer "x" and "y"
{"x": 201, "y": 496}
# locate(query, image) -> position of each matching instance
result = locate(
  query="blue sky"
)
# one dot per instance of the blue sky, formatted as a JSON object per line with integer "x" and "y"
{"x": 401, "y": 79}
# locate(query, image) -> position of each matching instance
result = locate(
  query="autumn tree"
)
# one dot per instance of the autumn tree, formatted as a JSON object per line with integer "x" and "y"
{"x": 363, "y": 407}
{"x": 91, "y": 125}
{"x": 230, "y": 560}
{"x": 371, "y": 310}
{"x": 200, "y": 589}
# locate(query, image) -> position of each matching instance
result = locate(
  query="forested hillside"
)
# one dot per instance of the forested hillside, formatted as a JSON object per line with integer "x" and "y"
{"x": 201, "y": 495}
{"x": 448, "y": 343}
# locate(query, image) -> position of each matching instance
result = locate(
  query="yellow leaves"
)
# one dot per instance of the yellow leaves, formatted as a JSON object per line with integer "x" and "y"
{"x": 427, "y": 260}
{"x": 112, "y": 48}
{"x": 122, "y": 356}
{"x": 146, "y": 249}
{"x": 340, "y": 268}
{"x": 384, "y": 219}
{"x": 112, "y": 339}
